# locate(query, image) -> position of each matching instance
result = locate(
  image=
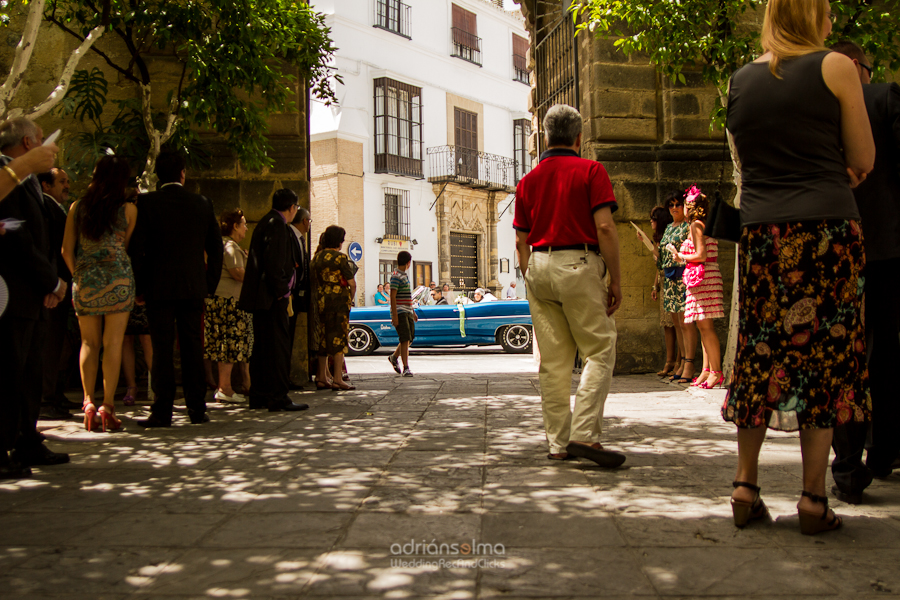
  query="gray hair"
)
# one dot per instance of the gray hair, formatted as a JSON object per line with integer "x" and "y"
{"x": 302, "y": 213}
{"x": 562, "y": 124}
{"x": 14, "y": 130}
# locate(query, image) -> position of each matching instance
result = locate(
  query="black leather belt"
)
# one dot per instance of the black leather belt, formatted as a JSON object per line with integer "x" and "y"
{"x": 585, "y": 247}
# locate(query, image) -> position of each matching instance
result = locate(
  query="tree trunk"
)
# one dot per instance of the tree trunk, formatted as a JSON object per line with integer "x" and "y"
{"x": 22, "y": 57}
{"x": 157, "y": 138}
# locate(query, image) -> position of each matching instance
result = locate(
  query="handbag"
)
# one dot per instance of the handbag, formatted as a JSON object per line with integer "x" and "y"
{"x": 693, "y": 274}
{"x": 674, "y": 273}
{"x": 724, "y": 222}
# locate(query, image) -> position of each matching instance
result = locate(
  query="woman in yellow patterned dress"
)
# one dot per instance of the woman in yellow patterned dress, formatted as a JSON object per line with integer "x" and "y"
{"x": 333, "y": 277}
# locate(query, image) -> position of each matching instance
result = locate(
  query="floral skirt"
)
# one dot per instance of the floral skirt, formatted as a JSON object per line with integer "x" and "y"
{"x": 331, "y": 332}
{"x": 228, "y": 331}
{"x": 137, "y": 321}
{"x": 801, "y": 357}
{"x": 673, "y": 294}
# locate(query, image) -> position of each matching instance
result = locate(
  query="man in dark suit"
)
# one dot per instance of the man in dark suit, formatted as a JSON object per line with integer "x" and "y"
{"x": 174, "y": 229}
{"x": 55, "y": 405}
{"x": 301, "y": 292}
{"x": 878, "y": 199}
{"x": 28, "y": 265}
{"x": 266, "y": 293}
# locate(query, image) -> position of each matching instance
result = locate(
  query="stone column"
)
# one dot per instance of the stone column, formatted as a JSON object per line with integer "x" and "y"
{"x": 443, "y": 224}
{"x": 494, "y": 258}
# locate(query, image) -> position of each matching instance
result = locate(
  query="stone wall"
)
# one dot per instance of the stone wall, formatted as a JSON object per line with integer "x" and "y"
{"x": 653, "y": 137}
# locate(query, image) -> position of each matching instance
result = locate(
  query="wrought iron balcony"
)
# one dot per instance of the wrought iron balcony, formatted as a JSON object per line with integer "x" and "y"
{"x": 393, "y": 16}
{"x": 466, "y": 46}
{"x": 520, "y": 69}
{"x": 471, "y": 168}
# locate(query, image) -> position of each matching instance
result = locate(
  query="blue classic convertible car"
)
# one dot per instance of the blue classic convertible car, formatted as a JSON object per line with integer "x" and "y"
{"x": 504, "y": 322}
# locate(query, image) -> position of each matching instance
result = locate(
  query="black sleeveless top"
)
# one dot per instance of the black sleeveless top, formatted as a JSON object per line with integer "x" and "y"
{"x": 787, "y": 133}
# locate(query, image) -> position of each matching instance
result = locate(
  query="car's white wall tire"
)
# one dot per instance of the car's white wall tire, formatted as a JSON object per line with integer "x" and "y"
{"x": 361, "y": 340}
{"x": 516, "y": 339}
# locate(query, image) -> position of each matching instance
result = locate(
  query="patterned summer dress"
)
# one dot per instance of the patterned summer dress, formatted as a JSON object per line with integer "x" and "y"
{"x": 331, "y": 270}
{"x": 103, "y": 282}
{"x": 673, "y": 292}
{"x": 704, "y": 301}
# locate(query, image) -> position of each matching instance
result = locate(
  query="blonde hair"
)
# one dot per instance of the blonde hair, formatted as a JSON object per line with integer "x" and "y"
{"x": 792, "y": 28}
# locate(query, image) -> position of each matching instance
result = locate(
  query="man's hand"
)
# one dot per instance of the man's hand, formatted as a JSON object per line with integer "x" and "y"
{"x": 614, "y": 301}
{"x": 51, "y": 300}
{"x": 395, "y": 321}
{"x": 61, "y": 292}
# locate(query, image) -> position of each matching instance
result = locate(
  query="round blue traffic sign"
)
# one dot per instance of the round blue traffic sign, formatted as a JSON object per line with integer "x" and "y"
{"x": 355, "y": 251}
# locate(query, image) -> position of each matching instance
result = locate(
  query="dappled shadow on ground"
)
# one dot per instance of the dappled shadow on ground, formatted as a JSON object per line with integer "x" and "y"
{"x": 327, "y": 503}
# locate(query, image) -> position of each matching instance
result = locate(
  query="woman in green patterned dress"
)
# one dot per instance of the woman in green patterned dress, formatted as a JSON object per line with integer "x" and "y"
{"x": 102, "y": 280}
{"x": 673, "y": 288}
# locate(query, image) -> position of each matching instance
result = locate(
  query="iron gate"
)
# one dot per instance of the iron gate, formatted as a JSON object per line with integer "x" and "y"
{"x": 464, "y": 261}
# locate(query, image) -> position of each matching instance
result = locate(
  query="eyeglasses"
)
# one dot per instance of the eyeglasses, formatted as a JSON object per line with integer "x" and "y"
{"x": 867, "y": 68}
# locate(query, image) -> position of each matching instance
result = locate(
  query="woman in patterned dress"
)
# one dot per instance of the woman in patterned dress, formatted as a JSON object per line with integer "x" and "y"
{"x": 335, "y": 286}
{"x": 802, "y": 137}
{"x": 703, "y": 281}
{"x": 660, "y": 218}
{"x": 101, "y": 224}
{"x": 228, "y": 330}
{"x": 673, "y": 289}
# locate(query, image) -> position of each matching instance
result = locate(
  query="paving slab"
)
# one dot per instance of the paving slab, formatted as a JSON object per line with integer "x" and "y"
{"x": 320, "y": 504}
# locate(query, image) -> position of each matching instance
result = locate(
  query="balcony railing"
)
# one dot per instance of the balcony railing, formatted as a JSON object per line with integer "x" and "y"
{"x": 466, "y": 46}
{"x": 471, "y": 168}
{"x": 520, "y": 69}
{"x": 393, "y": 16}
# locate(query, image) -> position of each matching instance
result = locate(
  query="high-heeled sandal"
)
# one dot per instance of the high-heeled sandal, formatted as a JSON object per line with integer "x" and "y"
{"x": 128, "y": 400}
{"x": 697, "y": 378}
{"x": 108, "y": 418}
{"x": 812, "y": 523}
{"x": 743, "y": 511}
{"x": 682, "y": 378}
{"x": 90, "y": 415}
{"x": 667, "y": 369}
{"x": 719, "y": 379}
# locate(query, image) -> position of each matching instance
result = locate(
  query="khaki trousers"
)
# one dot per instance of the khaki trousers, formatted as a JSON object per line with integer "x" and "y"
{"x": 567, "y": 295}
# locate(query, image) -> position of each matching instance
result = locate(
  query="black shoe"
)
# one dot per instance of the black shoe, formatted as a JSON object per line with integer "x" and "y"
{"x": 393, "y": 360}
{"x": 296, "y": 386}
{"x": 40, "y": 455}
{"x": 198, "y": 418}
{"x": 287, "y": 406}
{"x": 848, "y": 497}
{"x": 54, "y": 413}
{"x": 604, "y": 458}
{"x": 13, "y": 470}
{"x": 153, "y": 421}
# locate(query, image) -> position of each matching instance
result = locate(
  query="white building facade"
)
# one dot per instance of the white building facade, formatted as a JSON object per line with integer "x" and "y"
{"x": 428, "y": 140}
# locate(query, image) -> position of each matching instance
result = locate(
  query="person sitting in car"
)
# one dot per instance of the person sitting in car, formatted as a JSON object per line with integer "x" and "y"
{"x": 438, "y": 297}
{"x": 484, "y": 296}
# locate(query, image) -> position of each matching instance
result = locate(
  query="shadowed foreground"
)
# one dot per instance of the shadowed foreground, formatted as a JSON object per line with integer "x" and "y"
{"x": 259, "y": 505}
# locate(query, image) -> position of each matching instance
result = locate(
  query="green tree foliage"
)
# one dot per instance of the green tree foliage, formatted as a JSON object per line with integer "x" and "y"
{"x": 221, "y": 65}
{"x": 717, "y": 37}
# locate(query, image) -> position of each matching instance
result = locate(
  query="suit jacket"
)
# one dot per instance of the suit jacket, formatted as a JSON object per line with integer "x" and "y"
{"x": 301, "y": 290}
{"x": 878, "y": 197}
{"x": 174, "y": 228}
{"x": 27, "y": 261}
{"x": 270, "y": 265}
{"x": 56, "y": 223}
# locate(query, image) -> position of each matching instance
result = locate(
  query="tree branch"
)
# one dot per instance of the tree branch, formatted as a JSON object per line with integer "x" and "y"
{"x": 126, "y": 74}
{"x": 23, "y": 55}
{"x": 60, "y": 90}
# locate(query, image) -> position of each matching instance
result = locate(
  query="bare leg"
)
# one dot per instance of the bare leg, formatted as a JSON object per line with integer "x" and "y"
{"x": 128, "y": 361}
{"x": 750, "y": 442}
{"x": 225, "y": 378}
{"x": 704, "y": 373}
{"x": 208, "y": 370}
{"x": 404, "y": 353}
{"x": 815, "y": 444}
{"x": 113, "y": 334}
{"x": 338, "y": 366}
{"x": 689, "y": 334}
{"x": 91, "y": 327}
{"x": 322, "y": 374}
{"x": 245, "y": 377}
{"x": 679, "y": 341}
{"x": 712, "y": 352}
{"x": 147, "y": 346}
{"x": 671, "y": 344}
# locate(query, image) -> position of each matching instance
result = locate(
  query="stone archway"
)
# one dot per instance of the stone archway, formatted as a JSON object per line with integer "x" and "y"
{"x": 473, "y": 211}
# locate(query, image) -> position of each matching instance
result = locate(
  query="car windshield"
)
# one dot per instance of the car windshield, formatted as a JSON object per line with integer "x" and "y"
{"x": 421, "y": 295}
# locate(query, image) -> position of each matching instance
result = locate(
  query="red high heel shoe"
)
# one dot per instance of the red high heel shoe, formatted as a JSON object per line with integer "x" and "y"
{"x": 90, "y": 415}
{"x": 720, "y": 378}
{"x": 108, "y": 418}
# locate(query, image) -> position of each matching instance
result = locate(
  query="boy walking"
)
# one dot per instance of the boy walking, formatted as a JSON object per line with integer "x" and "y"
{"x": 403, "y": 317}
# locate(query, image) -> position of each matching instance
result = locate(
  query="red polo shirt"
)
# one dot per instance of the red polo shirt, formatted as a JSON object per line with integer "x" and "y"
{"x": 556, "y": 201}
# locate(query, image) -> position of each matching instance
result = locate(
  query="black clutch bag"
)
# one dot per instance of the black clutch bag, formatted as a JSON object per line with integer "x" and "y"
{"x": 724, "y": 222}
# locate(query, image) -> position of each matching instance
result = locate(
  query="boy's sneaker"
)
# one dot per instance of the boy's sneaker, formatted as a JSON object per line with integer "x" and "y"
{"x": 393, "y": 360}
{"x": 407, "y": 372}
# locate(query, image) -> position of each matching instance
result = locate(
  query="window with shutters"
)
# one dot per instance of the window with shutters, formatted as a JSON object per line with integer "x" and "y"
{"x": 520, "y": 66}
{"x": 465, "y": 128}
{"x": 398, "y": 128}
{"x": 464, "y": 35}
{"x": 521, "y": 133}
{"x": 396, "y": 213}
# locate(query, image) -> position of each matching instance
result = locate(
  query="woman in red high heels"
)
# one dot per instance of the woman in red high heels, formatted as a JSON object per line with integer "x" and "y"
{"x": 102, "y": 280}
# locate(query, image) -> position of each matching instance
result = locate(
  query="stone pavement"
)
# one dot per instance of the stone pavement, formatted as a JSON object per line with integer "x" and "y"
{"x": 319, "y": 504}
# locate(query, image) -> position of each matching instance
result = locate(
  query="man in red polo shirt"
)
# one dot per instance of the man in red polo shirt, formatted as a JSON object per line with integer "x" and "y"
{"x": 567, "y": 244}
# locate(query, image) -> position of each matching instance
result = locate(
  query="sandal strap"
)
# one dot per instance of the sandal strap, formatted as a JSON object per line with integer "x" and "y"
{"x": 750, "y": 486}
{"x": 690, "y": 360}
{"x": 821, "y": 500}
